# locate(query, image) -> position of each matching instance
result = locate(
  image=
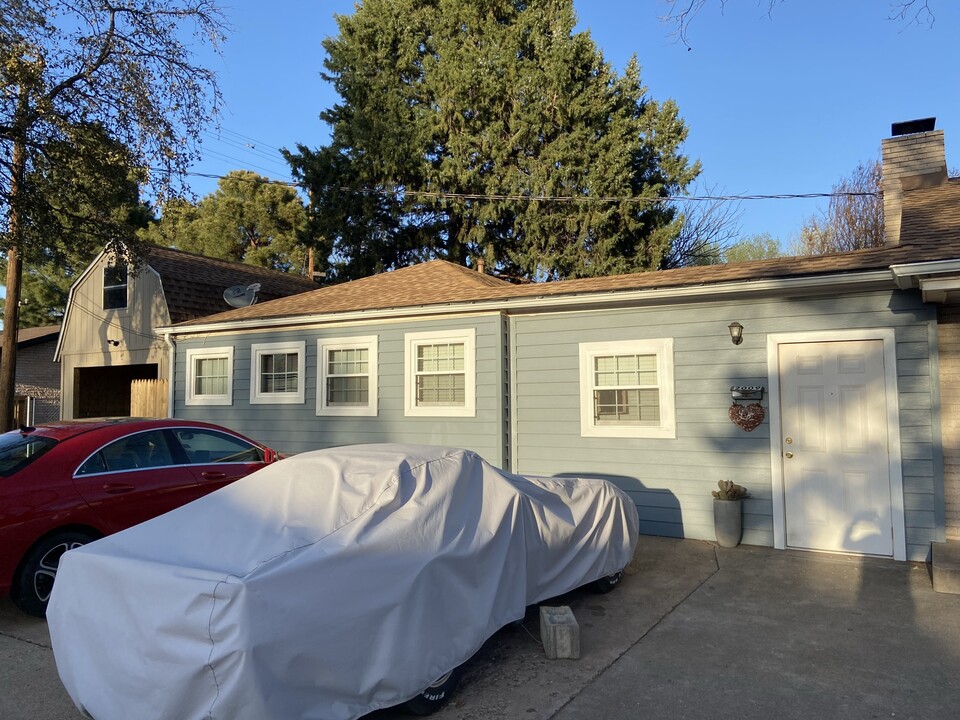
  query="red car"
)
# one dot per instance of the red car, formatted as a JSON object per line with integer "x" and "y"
{"x": 65, "y": 484}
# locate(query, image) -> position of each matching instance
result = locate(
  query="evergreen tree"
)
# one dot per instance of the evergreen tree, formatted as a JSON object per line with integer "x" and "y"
{"x": 246, "y": 219}
{"x": 459, "y": 125}
{"x": 87, "y": 198}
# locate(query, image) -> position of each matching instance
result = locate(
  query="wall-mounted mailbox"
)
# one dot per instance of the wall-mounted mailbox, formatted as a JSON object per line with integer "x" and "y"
{"x": 747, "y": 392}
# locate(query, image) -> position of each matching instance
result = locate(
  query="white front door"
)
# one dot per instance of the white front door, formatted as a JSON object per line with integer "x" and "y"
{"x": 836, "y": 470}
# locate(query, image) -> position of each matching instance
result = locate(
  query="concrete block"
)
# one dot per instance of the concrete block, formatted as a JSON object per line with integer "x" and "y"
{"x": 559, "y": 632}
{"x": 945, "y": 559}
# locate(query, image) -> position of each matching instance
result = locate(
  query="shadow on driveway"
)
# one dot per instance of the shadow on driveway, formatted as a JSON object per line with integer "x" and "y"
{"x": 693, "y": 631}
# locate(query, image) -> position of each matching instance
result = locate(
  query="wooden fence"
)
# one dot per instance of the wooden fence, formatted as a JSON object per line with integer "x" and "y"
{"x": 148, "y": 398}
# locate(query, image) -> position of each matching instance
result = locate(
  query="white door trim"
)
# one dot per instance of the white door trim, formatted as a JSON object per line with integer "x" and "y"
{"x": 888, "y": 336}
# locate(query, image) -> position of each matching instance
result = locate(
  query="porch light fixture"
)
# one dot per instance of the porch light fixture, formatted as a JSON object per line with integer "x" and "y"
{"x": 736, "y": 332}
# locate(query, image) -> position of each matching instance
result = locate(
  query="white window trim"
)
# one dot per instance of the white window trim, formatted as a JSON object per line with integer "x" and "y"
{"x": 368, "y": 342}
{"x": 126, "y": 289}
{"x": 190, "y": 398}
{"x": 413, "y": 340}
{"x": 257, "y": 397}
{"x": 663, "y": 349}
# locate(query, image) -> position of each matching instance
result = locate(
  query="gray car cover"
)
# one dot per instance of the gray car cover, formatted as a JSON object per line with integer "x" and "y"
{"x": 326, "y": 585}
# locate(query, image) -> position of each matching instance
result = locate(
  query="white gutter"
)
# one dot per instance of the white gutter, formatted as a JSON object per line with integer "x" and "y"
{"x": 906, "y": 275}
{"x": 937, "y": 290}
{"x": 556, "y": 302}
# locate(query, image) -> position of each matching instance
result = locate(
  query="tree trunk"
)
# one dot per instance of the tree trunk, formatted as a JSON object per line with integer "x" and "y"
{"x": 11, "y": 307}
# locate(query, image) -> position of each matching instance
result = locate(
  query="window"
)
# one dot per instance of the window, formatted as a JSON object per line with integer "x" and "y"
{"x": 133, "y": 452}
{"x": 17, "y": 450}
{"x": 348, "y": 376}
{"x": 210, "y": 376}
{"x": 114, "y": 287}
{"x": 277, "y": 372}
{"x": 440, "y": 372}
{"x": 626, "y": 389}
{"x": 203, "y": 447}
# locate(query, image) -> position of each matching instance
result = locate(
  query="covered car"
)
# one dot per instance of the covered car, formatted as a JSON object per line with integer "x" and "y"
{"x": 326, "y": 585}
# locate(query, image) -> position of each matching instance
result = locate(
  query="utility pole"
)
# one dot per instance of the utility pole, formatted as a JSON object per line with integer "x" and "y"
{"x": 11, "y": 308}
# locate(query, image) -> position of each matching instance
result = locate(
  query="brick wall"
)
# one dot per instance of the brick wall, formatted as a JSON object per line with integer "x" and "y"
{"x": 949, "y": 320}
{"x": 39, "y": 376}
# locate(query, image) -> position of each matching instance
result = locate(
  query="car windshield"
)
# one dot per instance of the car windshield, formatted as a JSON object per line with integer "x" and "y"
{"x": 18, "y": 450}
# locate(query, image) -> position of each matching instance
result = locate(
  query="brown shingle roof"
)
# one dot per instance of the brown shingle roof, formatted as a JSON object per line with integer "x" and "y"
{"x": 34, "y": 335}
{"x": 193, "y": 284}
{"x": 932, "y": 215}
{"x": 931, "y": 231}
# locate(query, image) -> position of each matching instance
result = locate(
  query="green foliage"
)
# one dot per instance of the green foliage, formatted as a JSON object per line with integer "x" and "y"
{"x": 123, "y": 65}
{"x": 247, "y": 219}
{"x": 87, "y": 198}
{"x": 446, "y": 104}
{"x": 729, "y": 490}
{"x": 87, "y": 92}
{"x": 756, "y": 247}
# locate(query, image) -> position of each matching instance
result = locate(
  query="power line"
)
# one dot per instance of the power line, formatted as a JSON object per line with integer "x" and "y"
{"x": 258, "y": 149}
{"x": 557, "y": 198}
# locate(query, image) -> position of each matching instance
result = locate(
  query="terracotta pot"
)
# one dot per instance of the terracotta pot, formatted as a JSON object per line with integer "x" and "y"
{"x": 727, "y": 522}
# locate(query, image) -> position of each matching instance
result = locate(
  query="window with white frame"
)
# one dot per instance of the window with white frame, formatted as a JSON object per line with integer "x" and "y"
{"x": 276, "y": 372}
{"x": 209, "y": 376}
{"x": 440, "y": 373}
{"x": 114, "y": 287}
{"x": 348, "y": 376}
{"x": 626, "y": 389}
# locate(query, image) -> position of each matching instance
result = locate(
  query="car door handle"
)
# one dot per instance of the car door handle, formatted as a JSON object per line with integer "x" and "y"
{"x": 213, "y": 475}
{"x": 117, "y": 488}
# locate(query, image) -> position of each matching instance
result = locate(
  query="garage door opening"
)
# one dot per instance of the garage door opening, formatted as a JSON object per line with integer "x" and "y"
{"x": 105, "y": 391}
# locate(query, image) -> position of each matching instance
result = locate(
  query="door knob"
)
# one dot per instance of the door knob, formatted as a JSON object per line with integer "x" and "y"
{"x": 788, "y": 455}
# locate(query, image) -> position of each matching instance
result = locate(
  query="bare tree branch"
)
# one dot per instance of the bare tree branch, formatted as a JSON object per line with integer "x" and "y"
{"x": 708, "y": 228}
{"x": 681, "y": 13}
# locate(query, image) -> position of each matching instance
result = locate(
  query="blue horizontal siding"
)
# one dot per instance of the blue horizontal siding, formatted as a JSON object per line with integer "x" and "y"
{"x": 708, "y": 447}
{"x": 297, "y": 428}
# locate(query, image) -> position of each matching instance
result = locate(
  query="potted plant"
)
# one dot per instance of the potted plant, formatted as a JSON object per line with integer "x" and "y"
{"x": 727, "y": 512}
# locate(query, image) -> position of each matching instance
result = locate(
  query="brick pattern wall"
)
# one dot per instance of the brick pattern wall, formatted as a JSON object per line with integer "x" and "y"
{"x": 39, "y": 376}
{"x": 908, "y": 156}
{"x": 949, "y": 320}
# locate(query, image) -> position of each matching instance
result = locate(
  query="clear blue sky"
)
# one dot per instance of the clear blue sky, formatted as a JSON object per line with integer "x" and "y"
{"x": 775, "y": 104}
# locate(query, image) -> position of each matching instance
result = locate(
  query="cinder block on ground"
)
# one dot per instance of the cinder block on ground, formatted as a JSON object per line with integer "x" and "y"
{"x": 945, "y": 559}
{"x": 559, "y": 632}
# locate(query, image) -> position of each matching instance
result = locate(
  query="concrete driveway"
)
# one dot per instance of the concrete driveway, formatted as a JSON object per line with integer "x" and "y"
{"x": 694, "y": 631}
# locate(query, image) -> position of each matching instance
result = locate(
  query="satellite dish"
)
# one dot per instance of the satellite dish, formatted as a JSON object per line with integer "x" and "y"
{"x": 239, "y": 296}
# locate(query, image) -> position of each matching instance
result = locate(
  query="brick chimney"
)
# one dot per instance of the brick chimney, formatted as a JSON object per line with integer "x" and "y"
{"x": 913, "y": 158}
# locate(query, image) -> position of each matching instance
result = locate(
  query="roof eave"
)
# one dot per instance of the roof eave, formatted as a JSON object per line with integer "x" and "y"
{"x": 910, "y": 275}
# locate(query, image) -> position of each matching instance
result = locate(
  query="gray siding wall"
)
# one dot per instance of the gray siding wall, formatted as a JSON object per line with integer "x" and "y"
{"x": 298, "y": 428}
{"x": 949, "y": 330}
{"x": 671, "y": 479}
{"x": 38, "y": 376}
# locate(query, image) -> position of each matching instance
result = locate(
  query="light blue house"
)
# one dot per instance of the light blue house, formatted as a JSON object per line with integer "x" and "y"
{"x": 632, "y": 377}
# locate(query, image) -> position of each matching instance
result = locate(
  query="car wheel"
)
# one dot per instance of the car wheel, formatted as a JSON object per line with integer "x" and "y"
{"x": 608, "y": 583}
{"x": 433, "y": 698}
{"x": 34, "y": 580}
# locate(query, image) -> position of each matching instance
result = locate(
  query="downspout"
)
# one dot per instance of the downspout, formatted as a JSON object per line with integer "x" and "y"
{"x": 171, "y": 372}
